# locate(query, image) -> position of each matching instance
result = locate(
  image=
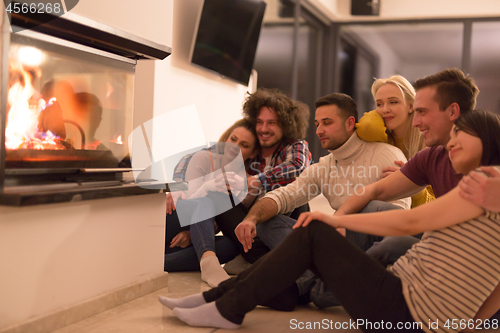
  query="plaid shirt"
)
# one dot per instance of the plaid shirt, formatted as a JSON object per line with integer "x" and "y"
{"x": 287, "y": 162}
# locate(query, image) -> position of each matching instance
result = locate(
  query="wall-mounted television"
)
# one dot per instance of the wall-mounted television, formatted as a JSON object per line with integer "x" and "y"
{"x": 227, "y": 36}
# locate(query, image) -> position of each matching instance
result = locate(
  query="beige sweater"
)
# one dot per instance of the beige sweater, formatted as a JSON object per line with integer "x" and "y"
{"x": 337, "y": 176}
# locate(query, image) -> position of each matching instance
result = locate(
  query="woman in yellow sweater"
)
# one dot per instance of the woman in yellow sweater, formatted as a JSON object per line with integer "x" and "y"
{"x": 391, "y": 122}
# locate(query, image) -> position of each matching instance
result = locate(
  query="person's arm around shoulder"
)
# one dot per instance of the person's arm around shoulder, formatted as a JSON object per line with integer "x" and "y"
{"x": 393, "y": 187}
{"x": 482, "y": 188}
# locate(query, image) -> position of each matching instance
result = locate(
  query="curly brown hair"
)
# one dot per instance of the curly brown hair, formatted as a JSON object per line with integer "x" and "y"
{"x": 293, "y": 116}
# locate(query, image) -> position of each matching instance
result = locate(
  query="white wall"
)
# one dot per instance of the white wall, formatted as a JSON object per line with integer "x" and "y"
{"x": 441, "y": 8}
{"x": 56, "y": 255}
{"x": 394, "y": 9}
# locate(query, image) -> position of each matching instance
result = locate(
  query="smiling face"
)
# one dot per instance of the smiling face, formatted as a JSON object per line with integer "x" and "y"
{"x": 240, "y": 139}
{"x": 465, "y": 151}
{"x": 268, "y": 130}
{"x": 392, "y": 107}
{"x": 331, "y": 129}
{"x": 434, "y": 124}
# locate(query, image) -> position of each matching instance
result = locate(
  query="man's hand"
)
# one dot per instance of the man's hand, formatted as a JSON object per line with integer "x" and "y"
{"x": 182, "y": 239}
{"x": 482, "y": 190}
{"x": 172, "y": 200}
{"x": 246, "y": 231}
{"x": 390, "y": 169}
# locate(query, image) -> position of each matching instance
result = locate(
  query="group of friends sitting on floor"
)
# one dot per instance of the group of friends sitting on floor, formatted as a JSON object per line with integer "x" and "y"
{"x": 415, "y": 185}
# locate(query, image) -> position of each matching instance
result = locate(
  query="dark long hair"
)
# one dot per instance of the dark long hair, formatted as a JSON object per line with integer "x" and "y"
{"x": 486, "y": 126}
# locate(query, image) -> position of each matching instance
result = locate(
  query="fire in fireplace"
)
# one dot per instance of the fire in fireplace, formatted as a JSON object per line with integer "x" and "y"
{"x": 67, "y": 108}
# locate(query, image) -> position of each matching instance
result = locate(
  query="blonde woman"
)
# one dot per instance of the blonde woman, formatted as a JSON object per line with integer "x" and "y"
{"x": 391, "y": 122}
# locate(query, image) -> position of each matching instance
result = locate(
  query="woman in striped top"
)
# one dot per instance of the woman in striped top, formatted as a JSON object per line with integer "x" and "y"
{"x": 447, "y": 282}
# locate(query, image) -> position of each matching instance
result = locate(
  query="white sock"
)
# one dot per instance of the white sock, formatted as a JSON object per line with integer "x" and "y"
{"x": 205, "y": 315}
{"x": 212, "y": 272}
{"x": 191, "y": 301}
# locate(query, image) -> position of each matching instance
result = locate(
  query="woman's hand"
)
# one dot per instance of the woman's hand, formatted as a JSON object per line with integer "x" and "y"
{"x": 220, "y": 183}
{"x": 172, "y": 198}
{"x": 390, "y": 169}
{"x": 182, "y": 239}
{"x": 306, "y": 218}
{"x": 234, "y": 182}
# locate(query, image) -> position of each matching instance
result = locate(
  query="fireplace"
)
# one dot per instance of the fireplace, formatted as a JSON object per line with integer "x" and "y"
{"x": 67, "y": 109}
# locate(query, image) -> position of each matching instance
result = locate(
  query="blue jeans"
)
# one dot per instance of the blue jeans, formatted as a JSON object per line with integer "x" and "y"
{"x": 391, "y": 248}
{"x": 202, "y": 237}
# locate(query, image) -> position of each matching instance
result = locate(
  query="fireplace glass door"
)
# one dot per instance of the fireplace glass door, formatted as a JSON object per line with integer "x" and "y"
{"x": 68, "y": 106}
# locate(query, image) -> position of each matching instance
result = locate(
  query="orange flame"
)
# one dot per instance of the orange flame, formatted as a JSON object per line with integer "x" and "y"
{"x": 118, "y": 140}
{"x": 22, "y": 120}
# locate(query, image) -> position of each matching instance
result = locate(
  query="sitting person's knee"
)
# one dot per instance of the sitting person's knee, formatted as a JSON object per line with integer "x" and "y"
{"x": 378, "y": 206}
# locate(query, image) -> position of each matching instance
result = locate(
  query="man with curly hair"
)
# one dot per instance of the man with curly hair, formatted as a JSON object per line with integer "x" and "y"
{"x": 281, "y": 124}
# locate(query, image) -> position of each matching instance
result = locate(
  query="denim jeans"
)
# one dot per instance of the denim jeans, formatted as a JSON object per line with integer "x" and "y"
{"x": 391, "y": 248}
{"x": 274, "y": 230}
{"x": 202, "y": 237}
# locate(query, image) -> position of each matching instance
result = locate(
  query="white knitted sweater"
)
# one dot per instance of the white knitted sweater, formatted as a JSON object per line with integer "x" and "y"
{"x": 349, "y": 168}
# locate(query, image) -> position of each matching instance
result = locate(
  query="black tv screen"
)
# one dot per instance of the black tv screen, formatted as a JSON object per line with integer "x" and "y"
{"x": 226, "y": 41}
